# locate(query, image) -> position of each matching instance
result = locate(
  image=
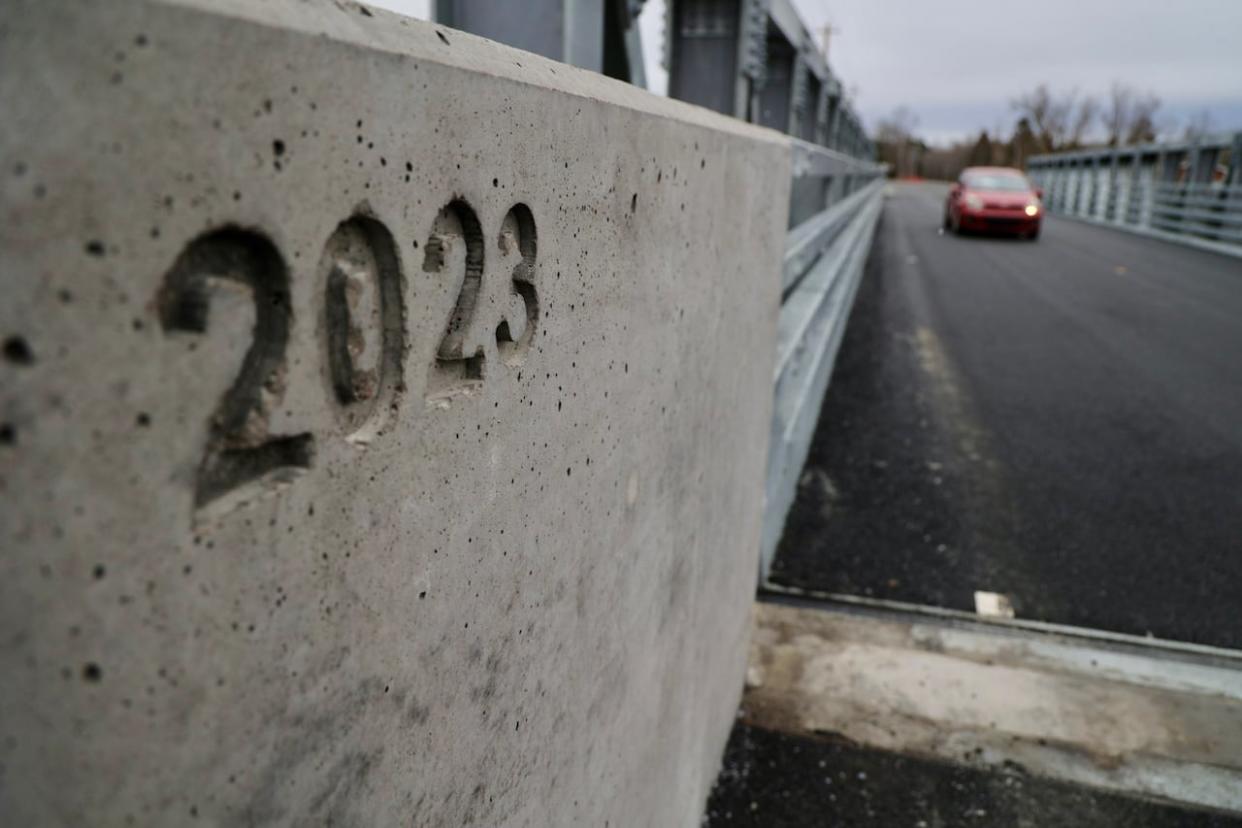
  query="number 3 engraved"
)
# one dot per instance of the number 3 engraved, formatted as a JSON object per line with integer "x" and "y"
{"x": 517, "y": 242}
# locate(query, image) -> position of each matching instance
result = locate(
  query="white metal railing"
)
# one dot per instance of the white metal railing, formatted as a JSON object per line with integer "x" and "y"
{"x": 1190, "y": 192}
{"x": 834, "y": 204}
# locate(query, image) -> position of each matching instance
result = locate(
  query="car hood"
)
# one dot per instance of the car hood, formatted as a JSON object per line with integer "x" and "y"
{"x": 1005, "y": 198}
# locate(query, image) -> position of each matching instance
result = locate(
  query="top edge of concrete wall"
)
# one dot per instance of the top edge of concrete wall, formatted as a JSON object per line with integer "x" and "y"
{"x": 380, "y": 29}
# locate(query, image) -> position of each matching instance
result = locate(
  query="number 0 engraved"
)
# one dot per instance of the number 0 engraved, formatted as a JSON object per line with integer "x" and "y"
{"x": 241, "y": 460}
{"x": 364, "y": 324}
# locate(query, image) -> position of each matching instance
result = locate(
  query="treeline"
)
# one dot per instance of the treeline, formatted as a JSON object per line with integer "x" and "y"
{"x": 1046, "y": 121}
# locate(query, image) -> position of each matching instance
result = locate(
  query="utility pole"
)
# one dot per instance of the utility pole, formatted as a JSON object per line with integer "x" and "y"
{"x": 825, "y": 35}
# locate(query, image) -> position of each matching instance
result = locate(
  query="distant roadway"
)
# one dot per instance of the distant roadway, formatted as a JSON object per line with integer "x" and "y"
{"x": 1058, "y": 421}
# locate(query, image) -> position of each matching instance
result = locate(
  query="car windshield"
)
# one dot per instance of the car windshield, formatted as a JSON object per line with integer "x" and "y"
{"x": 996, "y": 181}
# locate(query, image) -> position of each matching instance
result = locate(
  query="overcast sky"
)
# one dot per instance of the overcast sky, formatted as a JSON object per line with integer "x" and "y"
{"x": 957, "y": 63}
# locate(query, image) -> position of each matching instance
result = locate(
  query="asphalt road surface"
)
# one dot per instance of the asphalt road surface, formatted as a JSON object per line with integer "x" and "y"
{"x": 1057, "y": 421}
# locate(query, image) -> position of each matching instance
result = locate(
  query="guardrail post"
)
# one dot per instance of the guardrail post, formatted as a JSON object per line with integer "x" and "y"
{"x": 1063, "y": 194}
{"x": 1069, "y": 172}
{"x": 702, "y": 52}
{"x": 1134, "y": 170}
{"x": 1203, "y": 165}
{"x": 1149, "y": 173}
{"x": 838, "y": 124}
{"x": 812, "y": 111}
{"x": 623, "y": 44}
{"x": 1075, "y": 186}
{"x": 799, "y": 95}
{"x": 1233, "y": 181}
{"x": 1092, "y": 173}
{"x": 714, "y": 60}
{"x": 1053, "y": 178}
{"x": 1164, "y": 182}
{"x": 571, "y": 31}
{"x": 1109, "y": 203}
{"x": 600, "y": 35}
{"x": 776, "y": 97}
{"x": 1089, "y": 208}
{"x": 830, "y": 95}
{"x": 1234, "y": 178}
{"x": 1067, "y": 194}
{"x": 1083, "y": 175}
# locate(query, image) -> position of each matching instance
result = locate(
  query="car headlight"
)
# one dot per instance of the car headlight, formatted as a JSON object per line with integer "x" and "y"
{"x": 974, "y": 202}
{"x": 1032, "y": 209}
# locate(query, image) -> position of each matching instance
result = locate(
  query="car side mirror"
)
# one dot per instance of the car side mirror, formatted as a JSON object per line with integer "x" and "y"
{"x": 955, "y": 191}
{"x": 1039, "y": 193}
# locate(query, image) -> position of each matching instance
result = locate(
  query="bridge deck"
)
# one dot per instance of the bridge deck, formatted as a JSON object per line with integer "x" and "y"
{"x": 1060, "y": 422}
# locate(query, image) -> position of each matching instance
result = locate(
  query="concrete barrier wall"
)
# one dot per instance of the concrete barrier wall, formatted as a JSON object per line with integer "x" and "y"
{"x": 383, "y": 418}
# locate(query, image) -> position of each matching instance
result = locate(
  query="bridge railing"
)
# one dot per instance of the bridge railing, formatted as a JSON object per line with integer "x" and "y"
{"x": 756, "y": 60}
{"x": 1189, "y": 192}
{"x": 834, "y": 204}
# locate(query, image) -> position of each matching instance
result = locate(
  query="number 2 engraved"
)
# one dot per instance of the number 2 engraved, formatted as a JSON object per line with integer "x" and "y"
{"x": 241, "y": 459}
{"x": 456, "y": 234}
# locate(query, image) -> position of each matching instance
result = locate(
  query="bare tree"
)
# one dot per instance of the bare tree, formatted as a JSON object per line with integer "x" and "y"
{"x": 899, "y": 126}
{"x": 1130, "y": 117}
{"x": 1142, "y": 128}
{"x": 1117, "y": 113}
{"x": 1049, "y": 115}
{"x": 1088, "y": 108}
{"x": 896, "y": 142}
{"x": 1041, "y": 111}
{"x": 1198, "y": 125}
{"x": 946, "y": 163}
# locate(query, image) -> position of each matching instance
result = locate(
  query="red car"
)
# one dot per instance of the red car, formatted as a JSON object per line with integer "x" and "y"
{"x": 994, "y": 200}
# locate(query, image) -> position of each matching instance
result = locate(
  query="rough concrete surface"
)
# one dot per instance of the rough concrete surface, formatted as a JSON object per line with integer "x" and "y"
{"x": 383, "y": 416}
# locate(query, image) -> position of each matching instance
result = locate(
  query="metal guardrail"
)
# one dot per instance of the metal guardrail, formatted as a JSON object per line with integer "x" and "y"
{"x": 1188, "y": 192}
{"x": 824, "y": 255}
{"x": 756, "y": 60}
